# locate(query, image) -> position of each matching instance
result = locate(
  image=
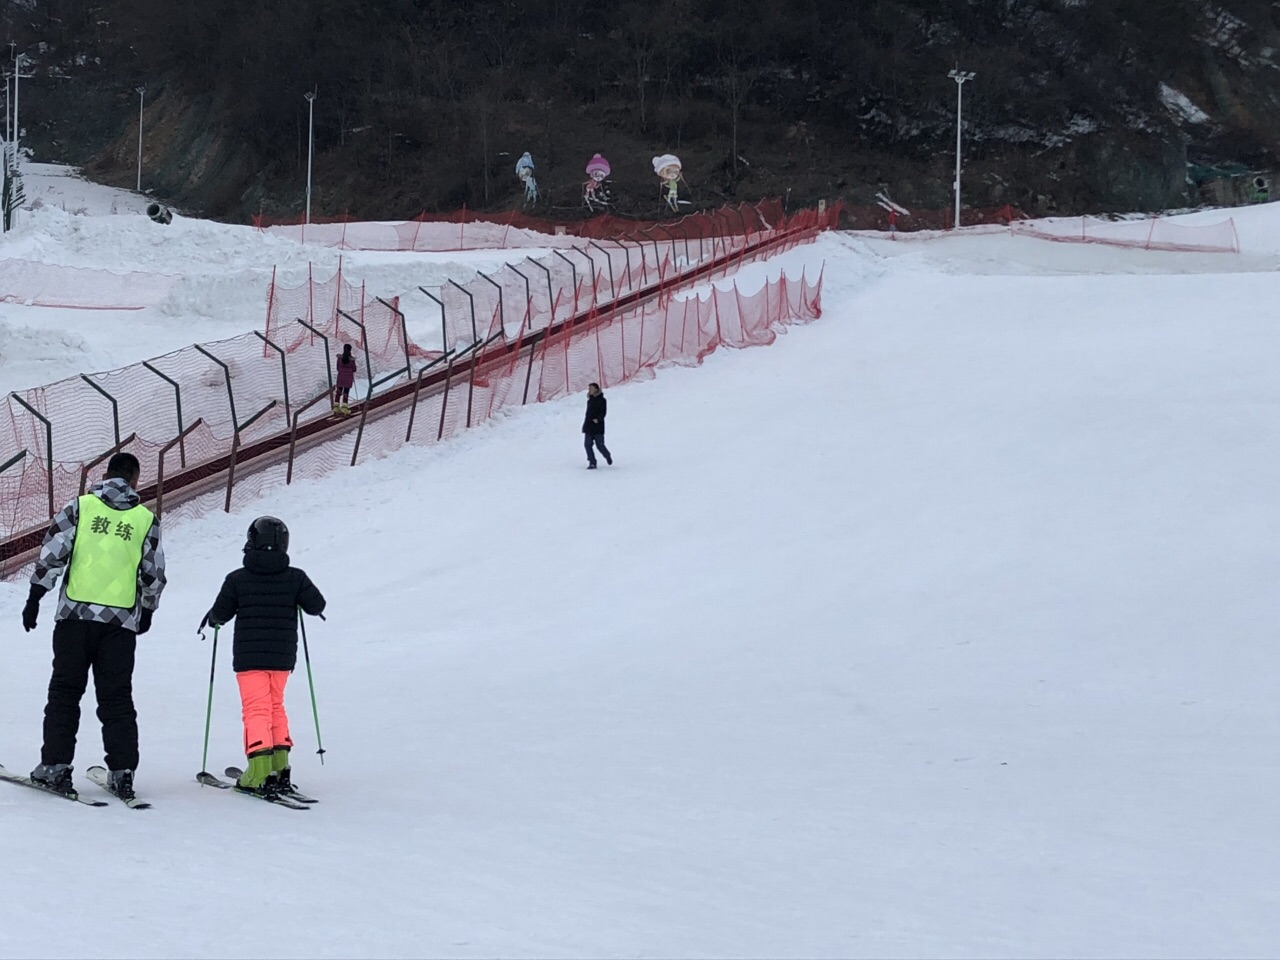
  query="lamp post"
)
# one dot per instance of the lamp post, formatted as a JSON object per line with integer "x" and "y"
{"x": 9, "y": 125}
{"x": 959, "y": 76}
{"x": 142, "y": 95}
{"x": 17, "y": 73}
{"x": 310, "y": 96}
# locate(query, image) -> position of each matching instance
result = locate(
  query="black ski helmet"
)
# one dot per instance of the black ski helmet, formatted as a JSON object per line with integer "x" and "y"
{"x": 268, "y": 533}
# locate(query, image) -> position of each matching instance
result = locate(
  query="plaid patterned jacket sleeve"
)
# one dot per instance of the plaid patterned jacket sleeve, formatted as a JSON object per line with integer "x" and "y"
{"x": 151, "y": 577}
{"x": 55, "y": 552}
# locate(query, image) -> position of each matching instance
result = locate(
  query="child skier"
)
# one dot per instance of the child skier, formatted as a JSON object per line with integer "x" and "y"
{"x": 346, "y": 380}
{"x": 264, "y": 596}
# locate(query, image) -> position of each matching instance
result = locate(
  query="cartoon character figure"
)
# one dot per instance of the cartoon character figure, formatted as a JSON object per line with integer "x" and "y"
{"x": 524, "y": 170}
{"x": 668, "y": 169}
{"x": 595, "y": 192}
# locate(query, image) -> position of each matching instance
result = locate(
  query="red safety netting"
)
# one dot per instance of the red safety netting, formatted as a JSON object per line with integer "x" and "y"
{"x": 421, "y": 235}
{"x": 613, "y": 349}
{"x": 878, "y": 218}
{"x": 538, "y": 293}
{"x": 54, "y": 285}
{"x": 1155, "y": 233}
{"x": 193, "y": 408}
{"x": 468, "y": 230}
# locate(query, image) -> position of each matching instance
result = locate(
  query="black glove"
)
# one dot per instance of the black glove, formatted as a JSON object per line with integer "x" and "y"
{"x": 31, "y": 611}
{"x": 144, "y": 621}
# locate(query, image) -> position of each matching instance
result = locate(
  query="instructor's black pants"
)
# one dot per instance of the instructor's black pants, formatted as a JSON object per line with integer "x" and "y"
{"x": 78, "y": 647}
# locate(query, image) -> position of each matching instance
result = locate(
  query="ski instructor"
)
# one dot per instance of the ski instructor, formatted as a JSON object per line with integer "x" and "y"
{"x": 109, "y": 545}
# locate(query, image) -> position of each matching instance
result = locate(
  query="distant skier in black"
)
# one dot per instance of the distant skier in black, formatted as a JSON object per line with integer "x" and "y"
{"x": 593, "y": 426}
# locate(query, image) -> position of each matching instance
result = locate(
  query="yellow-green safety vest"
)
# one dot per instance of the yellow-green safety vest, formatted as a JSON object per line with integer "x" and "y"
{"x": 106, "y": 554}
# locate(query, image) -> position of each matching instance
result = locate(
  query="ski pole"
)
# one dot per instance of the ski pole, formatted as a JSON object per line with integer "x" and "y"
{"x": 306, "y": 655}
{"x": 208, "y": 713}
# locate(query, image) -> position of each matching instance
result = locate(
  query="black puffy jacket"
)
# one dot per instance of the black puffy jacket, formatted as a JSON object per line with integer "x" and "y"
{"x": 597, "y": 407}
{"x": 264, "y": 596}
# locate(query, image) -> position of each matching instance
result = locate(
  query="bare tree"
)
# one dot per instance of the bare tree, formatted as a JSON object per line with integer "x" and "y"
{"x": 737, "y": 73}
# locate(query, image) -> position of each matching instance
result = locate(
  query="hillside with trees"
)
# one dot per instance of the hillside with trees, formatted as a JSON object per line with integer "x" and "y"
{"x": 1077, "y": 106}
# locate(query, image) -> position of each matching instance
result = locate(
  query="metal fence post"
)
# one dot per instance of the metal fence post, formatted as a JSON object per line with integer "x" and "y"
{"x": 613, "y": 287}
{"x": 355, "y": 452}
{"x": 177, "y": 393}
{"x": 284, "y": 373}
{"x": 48, "y": 444}
{"x": 672, "y": 239}
{"x": 12, "y": 460}
{"x": 115, "y": 407}
{"x": 444, "y": 404}
{"x": 404, "y": 330}
{"x": 84, "y": 470}
{"x": 235, "y": 446}
{"x": 475, "y": 345}
{"x": 226, "y": 372}
{"x": 417, "y": 386}
{"x": 328, "y": 360}
{"x": 502, "y": 314}
{"x": 293, "y": 430}
{"x": 445, "y": 346}
{"x": 528, "y": 298}
{"x": 595, "y": 291}
{"x": 475, "y": 336}
{"x": 551, "y": 301}
{"x": 180, "y": 439}
{"x": 574, "y": 269}
{"x": 644, "y": 235}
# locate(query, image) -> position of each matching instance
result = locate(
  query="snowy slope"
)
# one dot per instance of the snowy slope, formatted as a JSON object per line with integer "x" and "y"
{"x": 220, "y": 278}
{"x": 945, "y": 626}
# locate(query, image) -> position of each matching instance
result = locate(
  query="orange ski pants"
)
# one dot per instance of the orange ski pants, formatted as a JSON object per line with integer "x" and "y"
{"x": 266, "y": 727}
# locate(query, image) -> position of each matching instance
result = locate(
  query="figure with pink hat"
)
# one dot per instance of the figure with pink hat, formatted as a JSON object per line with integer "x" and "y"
{"x": 595, "y": 192}
{"x": 669, "y": 171}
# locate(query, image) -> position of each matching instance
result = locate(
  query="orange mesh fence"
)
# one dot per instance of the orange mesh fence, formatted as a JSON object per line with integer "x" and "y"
{"x": 610, "y": 350}
{"x": 539, "y": 292}
{"x": 1155, "y": 233}
{"x": 469, "y": 230}
{"x": 531, "y": 331}
{"x": 874, "y": 217}
{"x": 53, "y": 285}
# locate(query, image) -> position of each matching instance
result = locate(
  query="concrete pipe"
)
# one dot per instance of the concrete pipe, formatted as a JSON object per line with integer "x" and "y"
{"x": 159, "y": 213}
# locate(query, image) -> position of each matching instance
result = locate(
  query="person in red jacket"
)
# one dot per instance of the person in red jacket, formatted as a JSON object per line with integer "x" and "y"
{"x": 346, "y": 380}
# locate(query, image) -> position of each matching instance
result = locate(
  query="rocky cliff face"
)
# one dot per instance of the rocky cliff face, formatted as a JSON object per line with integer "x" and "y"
{"x": 1076, "y": 106}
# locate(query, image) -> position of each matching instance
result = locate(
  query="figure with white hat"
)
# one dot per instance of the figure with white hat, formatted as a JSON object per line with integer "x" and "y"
{"x": 668, "y": 169}
{"x": 524, "y": 170}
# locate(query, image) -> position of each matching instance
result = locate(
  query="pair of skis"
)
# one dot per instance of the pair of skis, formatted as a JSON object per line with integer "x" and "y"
{"x": 293, "y": 799}
{"x": 97, "y": 775}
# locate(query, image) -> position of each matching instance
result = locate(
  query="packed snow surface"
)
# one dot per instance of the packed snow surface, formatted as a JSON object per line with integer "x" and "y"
{"x": 945, "y": 626}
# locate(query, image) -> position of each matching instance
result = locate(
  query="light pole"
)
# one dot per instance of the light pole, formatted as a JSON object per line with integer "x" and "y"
{"x": 310, "y": 96}
{"x": 959, "y": 76}
{"x": 142, "y": 95}
{"x": 17, "y": 73}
